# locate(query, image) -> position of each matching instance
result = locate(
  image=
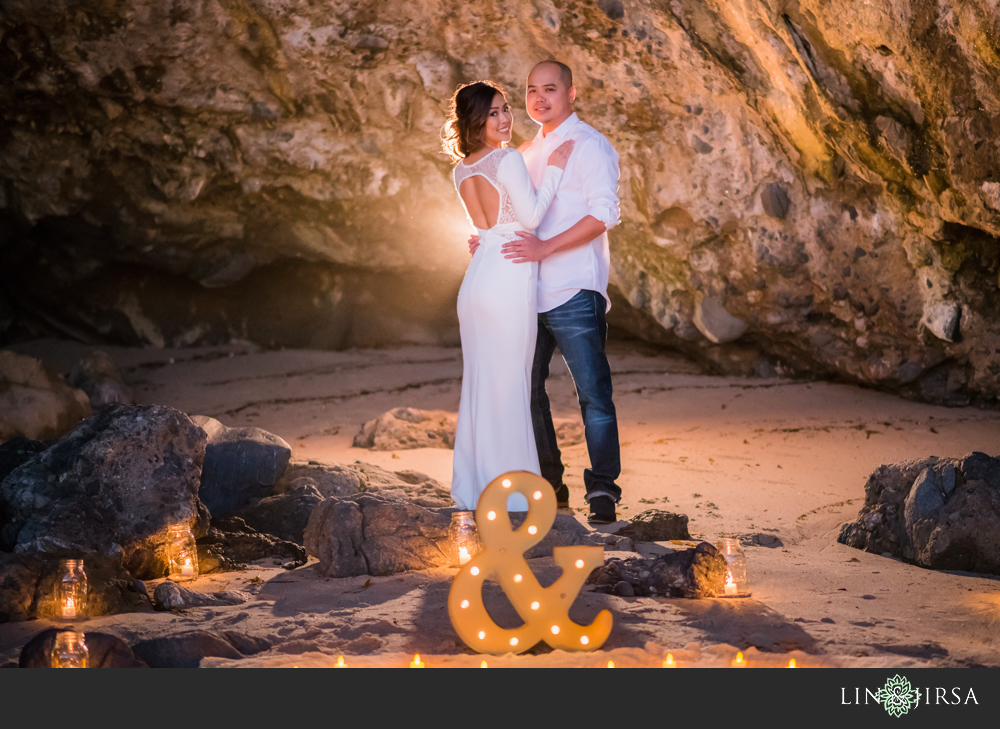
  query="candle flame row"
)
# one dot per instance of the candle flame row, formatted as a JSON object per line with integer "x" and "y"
{"x": 668, "y": 662}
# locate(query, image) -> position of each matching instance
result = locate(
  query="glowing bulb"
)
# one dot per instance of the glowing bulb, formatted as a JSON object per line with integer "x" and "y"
{"x": 555, "y": 630}
{"x": 537, "y": 495}
{"x": 518, "y": 578}
{"x": 474, "y": 571}
{"x": 483, "y": 665}
{"x": 532, "y": 530}
{"x": 341, "y": 663}
{"x": 465, "y": 604}
{"x": 416, "y": 662}
{"x": 669, "y": 663}
{"x": 513, "y": 641}
{"x": 491, "y": 515}
{"x": 505, "y": 483}
{"x": 611, "y": 664}
{"x": 482, "y": 635}
{"x": 579, "y": 564}
{"x": 584, "y": 640}
{"x": 535, "y": 605}
{"x": 792, "y": 664}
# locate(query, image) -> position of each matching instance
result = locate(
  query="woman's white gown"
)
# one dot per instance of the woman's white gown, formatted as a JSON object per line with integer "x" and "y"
{"x": 498, "y": 318}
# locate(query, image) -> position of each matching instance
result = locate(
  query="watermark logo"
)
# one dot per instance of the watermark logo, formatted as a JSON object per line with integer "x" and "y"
{"x": 897, "y": 696}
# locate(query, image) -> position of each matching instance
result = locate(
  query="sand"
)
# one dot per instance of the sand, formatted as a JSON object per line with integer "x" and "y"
{"x": 738, "y": 456}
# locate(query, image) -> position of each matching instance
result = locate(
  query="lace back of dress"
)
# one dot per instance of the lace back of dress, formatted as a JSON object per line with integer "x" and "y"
{"x": 488, "y": 167}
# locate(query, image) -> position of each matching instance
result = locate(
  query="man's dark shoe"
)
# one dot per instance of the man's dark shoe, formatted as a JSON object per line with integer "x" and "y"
{"x": 602, "y": 510}
{"x": 562, "y": 497}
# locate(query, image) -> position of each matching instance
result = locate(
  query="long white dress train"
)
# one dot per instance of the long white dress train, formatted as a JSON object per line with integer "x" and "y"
{"x": 498, "y": 319}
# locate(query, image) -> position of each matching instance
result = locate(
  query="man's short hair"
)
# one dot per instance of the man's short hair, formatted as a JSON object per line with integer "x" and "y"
{"x": 565, "y": 72}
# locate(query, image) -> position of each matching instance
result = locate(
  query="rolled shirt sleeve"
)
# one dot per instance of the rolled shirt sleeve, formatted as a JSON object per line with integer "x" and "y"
{"x": 599, "y": 167}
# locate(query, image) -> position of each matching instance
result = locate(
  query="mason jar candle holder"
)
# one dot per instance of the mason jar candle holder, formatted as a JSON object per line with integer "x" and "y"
{"x": 70, "y": 650}
{"x": 463, "y": 536}
{"x": 736, "y": 584}
{"x": 71, "y": 589}
{"x": 182, "y": 554}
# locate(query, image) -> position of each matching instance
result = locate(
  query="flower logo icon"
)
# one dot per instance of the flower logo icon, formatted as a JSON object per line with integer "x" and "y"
{"x": 897, "y": 696}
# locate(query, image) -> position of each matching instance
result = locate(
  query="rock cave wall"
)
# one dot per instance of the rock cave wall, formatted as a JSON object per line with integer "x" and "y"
{"x": 807, "y": 186}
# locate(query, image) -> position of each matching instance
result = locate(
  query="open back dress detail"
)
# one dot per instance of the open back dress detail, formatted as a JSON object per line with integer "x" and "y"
{"x": 498, "y": 319}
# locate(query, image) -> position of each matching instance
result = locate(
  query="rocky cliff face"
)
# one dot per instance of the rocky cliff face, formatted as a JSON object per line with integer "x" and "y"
{"x": 810, "y": 183}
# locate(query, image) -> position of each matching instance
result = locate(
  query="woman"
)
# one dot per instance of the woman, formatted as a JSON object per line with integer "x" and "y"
{"x": 497, "y": 310}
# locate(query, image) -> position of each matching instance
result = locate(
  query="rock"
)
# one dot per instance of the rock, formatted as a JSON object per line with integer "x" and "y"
{"x": 35, "y": 401}
{"x": 187, "y": 649}
{"x": 623, "y": 589}
{"x": 28, "y": 588}
{"x": 717, "y": 324}
{"x": 404, "y": 428}
{"x": 103, "y": 651}
{"x": 340, "y": 481}
{"x": 694, "y": 573}
{"x": 774, "y": 200}
{"x": 114, "y": 485}
{"x": 16, "y": 452}
{"x": 169, "y": 595}
{"x": 99, "y": 377}
{"x": 285, "y": 515}
{"x": 240, "y": 464}
{"x": 374, "y": 535}
{"x": 330, "y": 479}
{"x": 939, "y": 513}
{"x": 654, "y": 525}
{"x": 230, "y": 544}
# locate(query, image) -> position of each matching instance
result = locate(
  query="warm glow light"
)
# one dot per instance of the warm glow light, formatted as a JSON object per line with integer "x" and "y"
{"x": 482, "y": 635}
{"x": 465, "y": 604}
{"x": 187, "y": 570}
{"x": 69, "y": 608}
{"x": 669, "y": 662}
{"x": 474, "y": 570}
{"x": 730, "y": 585}
{"x": 584, "y": 640}
{"x": 535, "y": 605}
{"x": 611, "y": 664}
{"x": 491, "y": 515}
{"x": 416, "y": 662}
{"x": 483, "y": 665}
{"x": 505, "y": 483}
{"x": 579, "y": 564}
{"x": 513, "y": 641}
{"x": 738, "y": 662}
{"x": 791, "y": 664}
{"x": 341, "y": 663}
{"x": 555, "y": 630}
{"x": 532, "y": 530}
{"x": 463, "y": 555}
{"x": 518, "y": 578}
{"x": 537, "y": 495}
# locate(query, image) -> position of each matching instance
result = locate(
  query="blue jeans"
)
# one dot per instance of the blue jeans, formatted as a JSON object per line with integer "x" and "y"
{"x": 579, "y": 330}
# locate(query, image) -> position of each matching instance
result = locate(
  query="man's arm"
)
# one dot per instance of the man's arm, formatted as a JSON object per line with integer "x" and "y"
{"x": 598, "y": 167}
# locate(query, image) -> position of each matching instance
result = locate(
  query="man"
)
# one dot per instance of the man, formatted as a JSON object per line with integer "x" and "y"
{"x": 572, "y": 250}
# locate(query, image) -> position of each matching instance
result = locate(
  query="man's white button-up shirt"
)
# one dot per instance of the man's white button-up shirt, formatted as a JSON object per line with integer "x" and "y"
{"x": 589, "y": 187}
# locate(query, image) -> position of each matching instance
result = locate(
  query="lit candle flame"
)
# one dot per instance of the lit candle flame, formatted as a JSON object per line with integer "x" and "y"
{"x": 463, "y": 555}
{"x": 611, "y": 664}
{"x": 792, "y": 664}
{"x": 730, "y": 585}
{"x": 483, "y": 665}
{"x": 341, "y": 663}
{"x": 669, "y": 662}
{"x": 187, "y": 570}
{"x": 416, "y": 662}
{"x": 69, "y": 608}
{"x": 739, "y": 662}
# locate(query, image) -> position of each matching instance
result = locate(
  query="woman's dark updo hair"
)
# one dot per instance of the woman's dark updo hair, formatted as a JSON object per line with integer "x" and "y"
{"x": 470, "y": 108}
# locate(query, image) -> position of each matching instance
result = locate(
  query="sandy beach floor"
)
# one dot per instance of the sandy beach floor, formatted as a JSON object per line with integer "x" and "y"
{"x": 738, "y": 456}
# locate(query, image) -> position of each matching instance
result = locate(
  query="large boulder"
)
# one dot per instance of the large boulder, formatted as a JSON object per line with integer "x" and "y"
{"x": 241, "y": 464}
{"x": 656, "y": 525}
{"x": 103, "y": 651}
{"x": 694, "y": 573}
{"x": 334, "y": 480}
{"x": 187, "y": 649}
{"x": 940, "y": 513}
{"x": 28, "y": 584}
{"x": 98, "y": 376}
{"x": 35, "y": 401}
{"x": 113, "y": 486}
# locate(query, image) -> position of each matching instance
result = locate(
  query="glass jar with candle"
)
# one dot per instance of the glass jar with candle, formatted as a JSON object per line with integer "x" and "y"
{"x": 70, "y": 650}
{"x": 182, "y": 554}
{"x": 71, "y": 589}
{"x": 463, "y": 537}
{"x": 736, "y": 584}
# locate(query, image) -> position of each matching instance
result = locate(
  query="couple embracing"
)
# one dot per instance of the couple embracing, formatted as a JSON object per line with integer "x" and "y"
{"x": 537, "y": 280}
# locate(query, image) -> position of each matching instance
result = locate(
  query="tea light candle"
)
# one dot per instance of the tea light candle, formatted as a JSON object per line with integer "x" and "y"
{"x": 187, "y": 570}
{"x": 463, "y": 555}
{"x": 739, "y": 661}
{"x": 730, "y": 585}
{"x": 69, "y": 608}
{"x": 669, "y": 662}
{"x": 416, "y": 662}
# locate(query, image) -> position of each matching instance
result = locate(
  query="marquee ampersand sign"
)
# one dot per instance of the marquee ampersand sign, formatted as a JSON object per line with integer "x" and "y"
{"x": 544, "y": 610}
